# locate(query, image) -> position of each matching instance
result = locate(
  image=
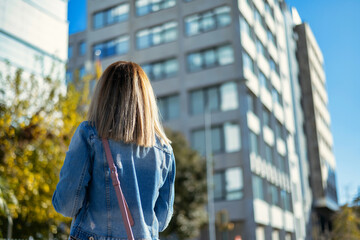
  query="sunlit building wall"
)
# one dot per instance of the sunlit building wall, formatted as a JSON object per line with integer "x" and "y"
{"x": 317, "y": 127}
{"x": 34, "y": 36}
{"x": 237, "y": 60}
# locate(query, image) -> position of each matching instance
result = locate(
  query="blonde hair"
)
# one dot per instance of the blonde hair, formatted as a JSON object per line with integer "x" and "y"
{"x": 124, "y": 107}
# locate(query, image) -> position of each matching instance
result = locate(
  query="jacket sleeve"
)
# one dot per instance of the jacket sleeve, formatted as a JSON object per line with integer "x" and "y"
{"x": 75, "y": 174}
{"x": 165, "y": 202}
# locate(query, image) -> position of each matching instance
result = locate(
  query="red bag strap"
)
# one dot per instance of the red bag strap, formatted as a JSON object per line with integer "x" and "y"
{"x": 125, "y": 212}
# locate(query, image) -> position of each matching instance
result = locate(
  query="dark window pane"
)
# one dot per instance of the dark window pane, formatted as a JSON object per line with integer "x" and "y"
{"x": 198, "y": 141}
{"x": 216, "y": 140}
{"x": 213, "y": 99}
{"x": 98, "y": 20}
{"x": 258, "y": 187}
{"x": 197, "y": 102}
{"x": 174, "y": 108}
{"x": 218, "y": 186}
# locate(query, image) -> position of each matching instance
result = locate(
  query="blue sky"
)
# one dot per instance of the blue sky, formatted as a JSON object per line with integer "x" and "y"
{"x": 335, "y": 25}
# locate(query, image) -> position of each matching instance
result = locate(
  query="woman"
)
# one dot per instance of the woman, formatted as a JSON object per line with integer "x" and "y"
{"x": 123, "y": 110}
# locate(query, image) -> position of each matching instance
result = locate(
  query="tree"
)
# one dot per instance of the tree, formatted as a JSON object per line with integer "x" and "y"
{"x": 347, "y": 221}
{"x": 36, "y": 126}
{"x": 190, "y": 190}
{"x": 37, "y": 121}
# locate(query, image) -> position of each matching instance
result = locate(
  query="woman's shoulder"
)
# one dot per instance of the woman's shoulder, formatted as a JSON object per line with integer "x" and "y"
{"x": 87, "y": 129}
{"x": 164, "y": 147}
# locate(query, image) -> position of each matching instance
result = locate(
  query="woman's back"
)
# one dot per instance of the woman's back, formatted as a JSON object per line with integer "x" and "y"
{"x": 123, "y": 110}
{"x": 85, "y": 189}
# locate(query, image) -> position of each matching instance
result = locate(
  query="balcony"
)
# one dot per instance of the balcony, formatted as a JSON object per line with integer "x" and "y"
{"x": 268, "y": 136}
{"x": 277, "y": 220}
{"x": 260, "y": 6}
{"x": 252, "y": 82}
{"x": 246, "y": 11}
{"x": 260, "y": 32}
{"x": 248, "y": 44}
{"x": 289, "y": 221}
{"x": 266, "y": 98}
{"x": 279, "y": 112}
{"x": 253, "y": 122}
{"x": 273, "y": 51}
{"x": 261, "y": 212}
{"x": 270, "y": 22}
{"x": 275, "y": 81}
{"x": 281, "y": 148}
{"x": 263, "y": 64}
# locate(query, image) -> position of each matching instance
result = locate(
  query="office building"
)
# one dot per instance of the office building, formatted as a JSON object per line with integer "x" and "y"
{"x": 317, "y": 128}
{"x": 236, "y": 60}
{"x": 34, "y": 37}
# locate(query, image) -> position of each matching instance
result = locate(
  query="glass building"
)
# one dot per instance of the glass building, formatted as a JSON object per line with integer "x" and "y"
{"x": 33, "y": 36}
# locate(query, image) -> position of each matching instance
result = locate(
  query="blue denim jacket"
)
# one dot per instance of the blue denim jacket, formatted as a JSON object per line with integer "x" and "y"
{"x": 85, "y": 191}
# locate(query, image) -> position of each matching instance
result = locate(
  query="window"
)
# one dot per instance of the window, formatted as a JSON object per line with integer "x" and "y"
{"x": 260, "y": 233}
{"x": 82, "y": 48}
{"x": 118, "y": 46}
{"x": 98, "y": 20}
{"x": 276, "y": 96}
{"x": 156, "y": 35}
{"x": 274, "y": 66}
{"x": 229, "y": 97}
{"x": 264, "y": 81}
{"x": 266, "y": 117}
{"x": 209, "y": 58}
{"x": 275, "y": 235}
{"x": 198, "y": 141}
{"x": 254, "y": 143}
{"x": 207, "y": 21}
{"x": 258, "y": 187}
{"x": 287, "y": 236}
{"x": 232, "y": 137}
{"x": 260, "y": 48}
{"x": 274, "y": 195}
{"x": 224, "y": 138}
{"x": 228, "y": 184}
{"x": 248, "y": 62}
{"x": 223, "y": 97}
{"x": 269, "y": 154}
{"x": 286, "y": 200}
{"x": 161, "y": 69}
{"x": 278, "y": 130}
{"x": 244, "y": 25}
{"x": 144, "y": 7}
{"x": 251, "y": 99}
{"x": 258, "y": 17}
{"x": 271, "y": 36}
{"x": 282, "y": 163}
{"x": 110, "y": 16}
{"x": 169, "y": 107}
{"x": 70, "y": 52}
{"x": 269, "y": 9}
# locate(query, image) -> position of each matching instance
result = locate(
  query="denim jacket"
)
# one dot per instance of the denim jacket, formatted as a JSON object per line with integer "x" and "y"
{"x": 85, "y": 191}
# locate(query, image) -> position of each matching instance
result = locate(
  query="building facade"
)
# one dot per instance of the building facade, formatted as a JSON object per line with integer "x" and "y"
{"x": 317, "y": 128}
{"x": 237, "y": 60}
{"x": 34, "y": 36}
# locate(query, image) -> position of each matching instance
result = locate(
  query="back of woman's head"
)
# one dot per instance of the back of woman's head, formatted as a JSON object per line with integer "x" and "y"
{"x": 124, "y": 108}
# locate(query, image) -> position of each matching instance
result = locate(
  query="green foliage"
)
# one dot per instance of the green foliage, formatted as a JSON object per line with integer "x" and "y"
{"x": 347, "y": 222}
{"x": 190, "y": 190}
{"x": 36, "y": 125}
